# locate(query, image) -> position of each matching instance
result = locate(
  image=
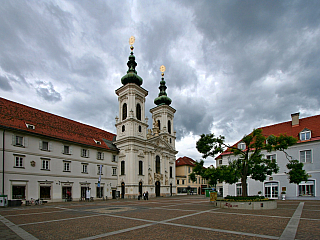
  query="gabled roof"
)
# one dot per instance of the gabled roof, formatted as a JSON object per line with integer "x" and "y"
{"x": 185, "y": 161}
{"x": 311, "y": 123}
{"x": 17, "y": 116}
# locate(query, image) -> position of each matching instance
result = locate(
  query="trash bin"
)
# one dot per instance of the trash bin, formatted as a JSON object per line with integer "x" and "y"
{"x": 3, "y": 200}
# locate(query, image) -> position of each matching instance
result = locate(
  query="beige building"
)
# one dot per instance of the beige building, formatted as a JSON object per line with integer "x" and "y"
{"x": 184, "y": 166}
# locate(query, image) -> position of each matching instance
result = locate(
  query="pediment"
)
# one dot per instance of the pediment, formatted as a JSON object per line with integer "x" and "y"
{"x": 160, "y": 142}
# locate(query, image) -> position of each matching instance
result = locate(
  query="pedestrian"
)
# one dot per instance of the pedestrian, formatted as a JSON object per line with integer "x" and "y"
{"x": 147, "y": 195}
{"x": 139, "y": 196}
{"x": 144, "y": 195}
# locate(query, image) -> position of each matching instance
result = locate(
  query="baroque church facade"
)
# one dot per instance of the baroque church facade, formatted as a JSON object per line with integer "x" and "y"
{"x": 146, "y": 160}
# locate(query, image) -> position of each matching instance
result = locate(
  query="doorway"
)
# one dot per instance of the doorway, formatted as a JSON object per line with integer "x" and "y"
{"x": 140, "y": 188}
{"x": 123, "y": 188}
{"x": 170, "y": 189}
{"x": 157, "y": 189}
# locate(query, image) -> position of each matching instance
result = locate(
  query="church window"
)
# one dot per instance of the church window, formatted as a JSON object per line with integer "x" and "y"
{"x": 159, "y": 124}
{"x": 169, "y": 126}
{"x": 123, "y": 167}
{"x": 157, "y": 164}
{"x": 170, "y": 172}
{"x": 138, "y": 111}
{"x": 139, "y": 128}
{"x": 140, "y": 168}
{"x": 124, "y": 111}
{"x": 123, "y": 128}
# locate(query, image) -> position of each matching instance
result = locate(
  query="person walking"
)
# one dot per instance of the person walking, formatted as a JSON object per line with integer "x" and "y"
{"x": 147, "y": 195}
{"x": 144, "y": 195}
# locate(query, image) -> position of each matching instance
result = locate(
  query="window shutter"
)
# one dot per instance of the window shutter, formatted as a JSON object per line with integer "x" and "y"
{"x": 13, "y": 140}
{"x": 102, "y": 155}
{"x": 25, "y": 141}
{"x": 62, "y": 150}
{"x": 70, "y": 149}
{"x": 40, "y": 145}
{"x": 50, "y": 146}
{"x": 88, "y": 153}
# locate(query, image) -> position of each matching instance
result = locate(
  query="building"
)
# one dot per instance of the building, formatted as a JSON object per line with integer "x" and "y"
{"x": 147, "y": 156}
{"x": 184, "y": 166}
{"x": 50, "y": 157}
{"x": 306, "y": 150}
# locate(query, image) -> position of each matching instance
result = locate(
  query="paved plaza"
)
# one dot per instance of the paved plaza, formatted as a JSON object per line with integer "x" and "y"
{"x": 181, "y": 217}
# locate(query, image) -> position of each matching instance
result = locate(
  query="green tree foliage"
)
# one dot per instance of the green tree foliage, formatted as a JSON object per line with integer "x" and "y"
{"x": 249, "y": 162}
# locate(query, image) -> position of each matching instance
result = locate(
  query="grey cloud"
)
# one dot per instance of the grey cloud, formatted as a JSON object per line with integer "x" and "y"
{"x": 47, "y": 92}
{"x": 5, "y": 84}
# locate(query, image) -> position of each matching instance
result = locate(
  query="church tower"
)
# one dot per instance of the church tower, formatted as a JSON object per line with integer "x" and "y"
{"x": 146, "y": 161}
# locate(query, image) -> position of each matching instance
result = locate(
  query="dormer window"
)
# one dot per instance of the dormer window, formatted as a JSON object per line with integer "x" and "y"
{"x": 305, "y": 135}
{"x": 242, "y": 146}
{"x": 30, "y": 126}
{"x": 97, "y": 142}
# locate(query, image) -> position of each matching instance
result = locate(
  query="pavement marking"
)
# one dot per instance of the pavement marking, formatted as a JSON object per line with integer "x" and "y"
{"x": 22, "y": 214}
{"x": 292, "y": 226}
{"x": 248, "y": 214}
{"x": 17, "y": 230}
{"x": 58, "y": 220}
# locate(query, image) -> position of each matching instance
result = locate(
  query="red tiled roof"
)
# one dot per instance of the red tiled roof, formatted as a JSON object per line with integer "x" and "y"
{"x": 310, "y": 123}
{"x": 16, "y": 116}
{"x": 182, "y": 161}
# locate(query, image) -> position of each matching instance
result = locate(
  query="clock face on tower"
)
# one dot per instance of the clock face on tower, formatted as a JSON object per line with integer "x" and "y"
{"x": 162, "y": 68}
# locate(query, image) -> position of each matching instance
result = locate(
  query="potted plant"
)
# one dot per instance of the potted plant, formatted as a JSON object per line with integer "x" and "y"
{"x": 283, "y": 195}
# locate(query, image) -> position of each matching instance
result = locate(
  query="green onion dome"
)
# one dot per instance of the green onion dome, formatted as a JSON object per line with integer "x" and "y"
{"x": 131, "y": 76}
{"x": 162, "y": 97}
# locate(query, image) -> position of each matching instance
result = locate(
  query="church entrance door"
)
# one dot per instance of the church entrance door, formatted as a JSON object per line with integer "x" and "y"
{"x": 123, "y": 188}
{"x": 140, "y": 188}
{"x": 170, "y": 189}
{"x": 157, "y": 189}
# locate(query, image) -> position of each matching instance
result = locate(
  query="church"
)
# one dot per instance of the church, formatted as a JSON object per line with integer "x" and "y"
{"x": 49, "y": 157}
{"x": 146, "y": 160}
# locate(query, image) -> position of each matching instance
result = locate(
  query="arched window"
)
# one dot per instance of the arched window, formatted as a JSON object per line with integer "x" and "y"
{"x": 123, "y": 128}
{"x": 169, "y": 126}
{"x": 159, "y": 124}
{"x": 138, "y": 111}
{"x": 123, "y": 167}
{"x": 140, "y": 168}
{"x": 139, "y": 128}
{"x": 124, "y": 111}
{"x": 157, "y": 164}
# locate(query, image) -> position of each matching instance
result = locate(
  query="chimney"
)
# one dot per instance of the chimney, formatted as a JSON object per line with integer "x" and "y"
{"x": 295, "y": 119}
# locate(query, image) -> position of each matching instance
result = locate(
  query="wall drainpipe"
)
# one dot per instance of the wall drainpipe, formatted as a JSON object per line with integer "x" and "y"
{"x": 4, "y": 131}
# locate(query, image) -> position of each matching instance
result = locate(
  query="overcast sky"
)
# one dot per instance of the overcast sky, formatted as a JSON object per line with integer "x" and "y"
{"x": 231, "y": 66}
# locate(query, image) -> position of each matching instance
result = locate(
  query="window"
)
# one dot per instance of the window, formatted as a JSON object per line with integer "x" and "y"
{"x": 239, "y": 189}
{"x": 18, "y": 141}
{"x": 114, "y": 158}
{"x": 66, "y": 149}
{"x": 305, "y": 135}
{"x": 18, "y": 192}
{"x": 220, "y": 162}
{"x": 242, "y": 146}
{"x": 84, "y": 153}
{"x": 45, "y": 164}
{"x": 138, "y": 111}
{"x": 305, "y": 156}
{"x": 99, "y": 192}
{"x": 306, "y": 188}
{"x": 189, "y": 169}
{"x": 100, "y": 155}
{"x": 272, "y": 157}
{"x": 170, "y": 172}
{"x": 45, "y": 192}
{"x": 123, "y": 167}
{"x": 30, "y": 126}
{"x": 182, "y": 182}
{"x": 18, "y": 161}
{"x": 157, "y": 164}
{"x": 123, "y": 128}
{"x": 84, "y": 168}
{"x": 140, "y": 129}
{"x": 177, "y": 182}
{"x": 66, "y": 166}
{"x": 114, "y": 171}
{"x": 159, "y": 124}
{"x": 169, "y": 126}
{"x": 44, "y": 145}
{"x": 140, "y": 167}
{"x": 100, "y": 168}
{"x": 124, "y": 111}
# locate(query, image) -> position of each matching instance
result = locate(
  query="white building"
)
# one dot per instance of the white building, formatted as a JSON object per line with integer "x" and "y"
{"x": 306, "y": 150}
{"x": 47, "y": 156}
{"x": 147, "y": 156}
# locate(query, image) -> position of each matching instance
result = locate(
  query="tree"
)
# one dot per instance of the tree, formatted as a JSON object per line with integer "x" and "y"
{"x": 249, "y": 162}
